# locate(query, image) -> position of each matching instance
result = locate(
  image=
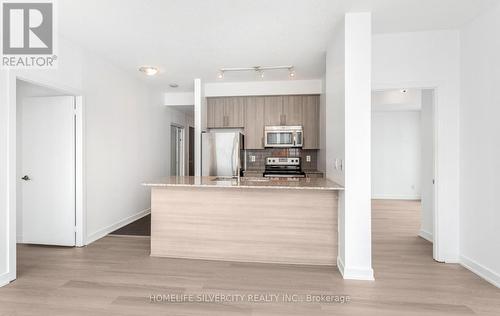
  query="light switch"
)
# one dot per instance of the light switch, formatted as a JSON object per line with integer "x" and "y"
{"x": 308, "y": 158}
{"x": 252, "y": 158}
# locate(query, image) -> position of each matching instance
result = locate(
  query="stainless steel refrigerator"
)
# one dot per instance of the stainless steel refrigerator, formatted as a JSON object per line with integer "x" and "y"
{"x": 222, "y": 153}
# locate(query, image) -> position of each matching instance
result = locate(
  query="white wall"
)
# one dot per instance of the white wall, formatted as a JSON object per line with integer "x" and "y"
{"x": 126, "y": 128}
{"x": 480, "y": 146}
{"x": 396, "y": 155}
{"x": 217, "y": 89}
{"x": 178, "y": 98}
{"x": 126, "y": 143}
{"x": 348, "y": 120}
{"x": 430, "y": 60}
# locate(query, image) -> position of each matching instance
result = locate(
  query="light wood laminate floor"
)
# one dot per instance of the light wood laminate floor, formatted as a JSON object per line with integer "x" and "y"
{"x": 116, "y": 276}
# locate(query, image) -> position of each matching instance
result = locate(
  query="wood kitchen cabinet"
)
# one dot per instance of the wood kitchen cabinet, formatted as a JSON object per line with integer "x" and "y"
{"x": 310, "y": 121}
{"x": 215, "y": 112}
{"x": 292, "y": 110}
{"x": 283, "y": 110}
{"x": 226, "y": 112}
{"x": 255, "y": 112}
{"x": 273, "y": 110}
{"x": 254, "y": 123}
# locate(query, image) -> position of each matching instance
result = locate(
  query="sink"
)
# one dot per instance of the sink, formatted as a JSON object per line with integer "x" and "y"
{"x": 224, "y": 178}
{"x": 256, "y": 179}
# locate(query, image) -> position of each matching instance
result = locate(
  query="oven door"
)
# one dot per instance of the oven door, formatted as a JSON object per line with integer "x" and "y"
{"x": 279, "y": 139}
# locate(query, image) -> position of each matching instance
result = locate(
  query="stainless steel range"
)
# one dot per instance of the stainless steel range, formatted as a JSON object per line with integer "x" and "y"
{"x": 278, "y": 167}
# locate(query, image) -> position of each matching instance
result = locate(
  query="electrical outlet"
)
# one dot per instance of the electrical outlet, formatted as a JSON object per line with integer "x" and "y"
{"x": 308, "y": 158}
{"x": 252, "y": 158}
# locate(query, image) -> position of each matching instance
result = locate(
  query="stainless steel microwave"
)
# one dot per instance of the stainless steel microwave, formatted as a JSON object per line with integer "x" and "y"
{"x": 283, "y": 136}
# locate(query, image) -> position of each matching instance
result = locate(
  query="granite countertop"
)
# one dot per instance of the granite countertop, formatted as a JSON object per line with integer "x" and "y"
{"x": 247, "y": 182}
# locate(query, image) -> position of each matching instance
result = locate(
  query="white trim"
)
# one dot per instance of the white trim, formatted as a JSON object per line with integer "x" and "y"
{"x": 354, "y": 274}
{"x": 426, "y": 235}
{"x": 396, "y": 197}
{"x": 80, "y": 210}
{"x": 436, "y": 86}
{"x": 5, "y": 279}
{"x": 19, "y": 239}
{"x": 111, "y": 228}
{"x": 11, "y": 99}
{"x": 482, "y": 271}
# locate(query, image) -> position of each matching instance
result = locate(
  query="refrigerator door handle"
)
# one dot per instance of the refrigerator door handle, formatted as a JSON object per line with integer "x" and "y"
{"x": 234, "y": 156}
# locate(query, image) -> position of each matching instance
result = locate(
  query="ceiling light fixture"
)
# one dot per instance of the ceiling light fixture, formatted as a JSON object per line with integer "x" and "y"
{"x": 148, "y": 70}
{"x": 173, "y": 85}
{"x": 258, "y": 69}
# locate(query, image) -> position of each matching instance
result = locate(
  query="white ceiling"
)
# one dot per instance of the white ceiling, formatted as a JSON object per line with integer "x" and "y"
{"x": 193, "y": 38}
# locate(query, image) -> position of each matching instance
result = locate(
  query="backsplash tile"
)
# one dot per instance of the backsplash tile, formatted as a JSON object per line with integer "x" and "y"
{"x": 262, "y": 154}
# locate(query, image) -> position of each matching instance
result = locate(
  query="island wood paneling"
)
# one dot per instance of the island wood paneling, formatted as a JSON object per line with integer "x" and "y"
{"x": 252, "y": 225}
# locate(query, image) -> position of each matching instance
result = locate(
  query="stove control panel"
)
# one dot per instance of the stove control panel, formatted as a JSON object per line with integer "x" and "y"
{"x": 280, "y": 161}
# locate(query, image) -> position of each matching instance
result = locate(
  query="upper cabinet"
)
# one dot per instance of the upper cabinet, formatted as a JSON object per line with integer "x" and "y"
{"x": 310, "y": 121}
{"x": 254, "y": 123}
{"x": 253, "y": 113}
{"x": 292, "y": 110}
{"x": 226, "y": 112}
{"x": 215, "y": 112}
{"x": 283, "y": 110}
{"x": 273, "y": 110}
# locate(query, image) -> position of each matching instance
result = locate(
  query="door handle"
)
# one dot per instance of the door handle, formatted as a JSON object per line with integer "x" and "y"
{"x": 26, "y": 178}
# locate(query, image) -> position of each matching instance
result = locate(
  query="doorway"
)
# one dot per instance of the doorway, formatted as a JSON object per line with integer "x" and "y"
{"x": 176, "y": 150}
{"x": 403, "y": 164}
{"x": 46, "y": 163}
{"x": 191, "y": 151}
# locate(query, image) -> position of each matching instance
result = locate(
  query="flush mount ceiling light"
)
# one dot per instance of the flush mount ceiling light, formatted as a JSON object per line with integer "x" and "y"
{"x": 149, "y": 70}
{"x": 258, "y": 69}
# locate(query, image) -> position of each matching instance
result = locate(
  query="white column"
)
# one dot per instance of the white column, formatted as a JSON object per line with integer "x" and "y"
{"x": 348, "y": 136}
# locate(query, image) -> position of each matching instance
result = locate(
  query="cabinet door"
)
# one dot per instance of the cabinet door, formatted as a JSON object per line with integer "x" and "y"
{"x": 273, "y": 110}
{"x": 215, "y": 112}
{"x": 254, "y": 123}
{"x": 310, "y": 111}
{"x": 292, "y": 110}
{"x": 234, "y": 111}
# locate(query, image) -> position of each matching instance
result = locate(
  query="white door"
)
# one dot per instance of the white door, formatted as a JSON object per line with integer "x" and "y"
{"x": 48, "y": 164}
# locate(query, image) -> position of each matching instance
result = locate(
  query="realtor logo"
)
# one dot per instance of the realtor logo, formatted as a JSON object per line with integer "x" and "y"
{"x": 28, "y": 34}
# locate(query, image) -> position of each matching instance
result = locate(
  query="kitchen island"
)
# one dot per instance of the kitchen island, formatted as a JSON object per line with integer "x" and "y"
{"x": 291, "y": 221}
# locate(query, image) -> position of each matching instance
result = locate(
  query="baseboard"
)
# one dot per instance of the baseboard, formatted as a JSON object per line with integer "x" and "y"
{"x": 396, "y": 197}
{"x": 111, "y": 228}
{"x": 4, "y": 279}
{"x": 426, "y": 235}
{"x": 482, "y": 271}
{"x": 354, "y": 274}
